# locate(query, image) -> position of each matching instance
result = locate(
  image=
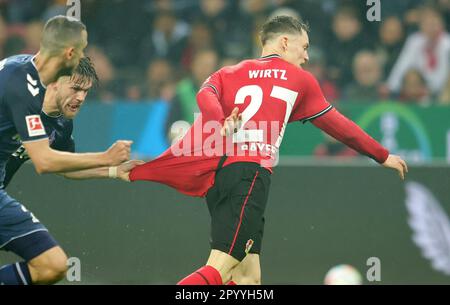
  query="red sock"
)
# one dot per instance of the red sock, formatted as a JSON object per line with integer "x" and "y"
{"x": 206, "y": 275}
{"x": 231, "y": 283}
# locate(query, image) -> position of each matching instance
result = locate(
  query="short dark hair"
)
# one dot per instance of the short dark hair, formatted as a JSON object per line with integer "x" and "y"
{"x": 85, "y": 73}
{"x": 61, "y": 32}
{"x": 282, "y": 24}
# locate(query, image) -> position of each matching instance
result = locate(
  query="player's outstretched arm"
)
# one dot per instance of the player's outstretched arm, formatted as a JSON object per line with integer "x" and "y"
{"x": 47, "y": 160}
{"x": 347, "y": 132}
{"x": 121, "y": 171}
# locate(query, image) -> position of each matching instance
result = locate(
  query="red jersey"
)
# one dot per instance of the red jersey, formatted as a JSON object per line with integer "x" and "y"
{"x": 270, "y": 93}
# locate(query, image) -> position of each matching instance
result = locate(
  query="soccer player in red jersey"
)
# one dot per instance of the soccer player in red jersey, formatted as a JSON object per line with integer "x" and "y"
{"x": 260, "y": 97}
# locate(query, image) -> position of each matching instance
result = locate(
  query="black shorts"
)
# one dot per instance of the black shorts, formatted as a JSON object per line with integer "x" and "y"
{"x": 236, "y": 203}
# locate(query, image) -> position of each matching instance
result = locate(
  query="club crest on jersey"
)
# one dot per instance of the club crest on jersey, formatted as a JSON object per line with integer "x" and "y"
{"x": 34, "y": 125}
{"x": 248, "y": 246}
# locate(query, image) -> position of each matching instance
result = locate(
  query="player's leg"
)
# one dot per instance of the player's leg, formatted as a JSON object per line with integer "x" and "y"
{"x": 216, "y": 271}
{"x": 248, "y": 272}
{"x": 49, "y": 267}
{"x": 21, "y": 233}
{"x": 44, "y": 261}
{"x": 236, "y": 204}
{"x": 219, "y": 263}
{"x": 223, "y": 262}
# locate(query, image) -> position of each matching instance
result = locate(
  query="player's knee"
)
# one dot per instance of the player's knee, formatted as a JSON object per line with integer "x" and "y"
{"x": 50, "y": 269}
{"x": 56, "y": 271}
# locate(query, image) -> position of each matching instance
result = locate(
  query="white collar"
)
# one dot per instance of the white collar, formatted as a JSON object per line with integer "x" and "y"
{"x": 34, "y": 65}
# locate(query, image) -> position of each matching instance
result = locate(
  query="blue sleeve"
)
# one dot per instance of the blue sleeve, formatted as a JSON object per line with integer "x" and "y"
{"x": 60, "y": 133}
{"x": 24, "y": 103}
{"x": 15, "y": 161}
{"x": 70, "y": 143}
{"x": 67, "y": 145}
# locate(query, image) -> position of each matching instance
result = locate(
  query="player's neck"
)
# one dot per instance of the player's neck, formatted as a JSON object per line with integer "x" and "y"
{"x": 269, "y": 51}
{"x": 47, "y": 68}
{"x": 50, "y": 111}
{"x": 50, "y": 105}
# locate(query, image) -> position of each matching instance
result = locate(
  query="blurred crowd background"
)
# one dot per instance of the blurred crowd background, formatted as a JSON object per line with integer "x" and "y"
{"x": 162, "y": 50}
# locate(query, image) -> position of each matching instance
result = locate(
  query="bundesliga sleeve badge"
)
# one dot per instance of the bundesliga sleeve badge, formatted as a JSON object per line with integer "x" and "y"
{"x": 34, "y": 125}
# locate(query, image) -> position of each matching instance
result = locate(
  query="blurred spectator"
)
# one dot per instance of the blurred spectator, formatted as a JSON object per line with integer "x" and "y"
{"x": 159, "y": 74}
{"x": 444, "y": 97}
{"x": 391, "y": 39}
{"x": 33, "y": 32}
{"x": 107, "y": 90}
{"x": 228, "y": 61}
{"x": 56, "y": 7}
{"x": 256, "y": 8}
{"x": 3, "y": 36}
{"x": 310, "y": 11}
{"x": 162, "y": 5}
{"x": 367, "y": 72}
{"x": 317, "y": 66}
{"x": 22, "y": 11}
{"x": 166, "y": 40}
{"x": 13, "y": 46}
{"x": 284, "y": 11}
{"x": 444, "y": 8}
{"x": 118, "y": 26}
{"x": 256, "y": 13}
{"x": 414, "y": 88}
{"x": 214, "y": 14}
{"x": 230, "y": 32}
{"x": 184, "y": 104}
{"x": 200, "y": 38}
{"x": 428, "y": 51}
{"x": 172, "y": 31}
{"x": 407, "y": 10}
{"x": 347, "y": 39}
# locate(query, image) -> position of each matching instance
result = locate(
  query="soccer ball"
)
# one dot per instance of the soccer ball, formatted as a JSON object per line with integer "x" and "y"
{"x": 343, "y": 275}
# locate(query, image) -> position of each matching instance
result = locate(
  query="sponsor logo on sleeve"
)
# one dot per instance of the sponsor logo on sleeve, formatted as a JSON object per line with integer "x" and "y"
{"x": 35, "y": 126}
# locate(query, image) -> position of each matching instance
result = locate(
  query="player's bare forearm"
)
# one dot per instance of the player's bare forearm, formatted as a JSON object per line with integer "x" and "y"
{"x": 93, "y": 173}
{"x": 57, "y": 162}
{"x": 47, "y": 160}
{"x": 120, "y": 172}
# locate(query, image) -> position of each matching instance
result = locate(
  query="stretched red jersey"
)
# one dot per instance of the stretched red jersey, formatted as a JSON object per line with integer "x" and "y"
{"x": 269, "y": 93}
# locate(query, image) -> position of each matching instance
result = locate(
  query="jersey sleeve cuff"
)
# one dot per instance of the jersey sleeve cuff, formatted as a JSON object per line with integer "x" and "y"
{"x": 35, "y": 140}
